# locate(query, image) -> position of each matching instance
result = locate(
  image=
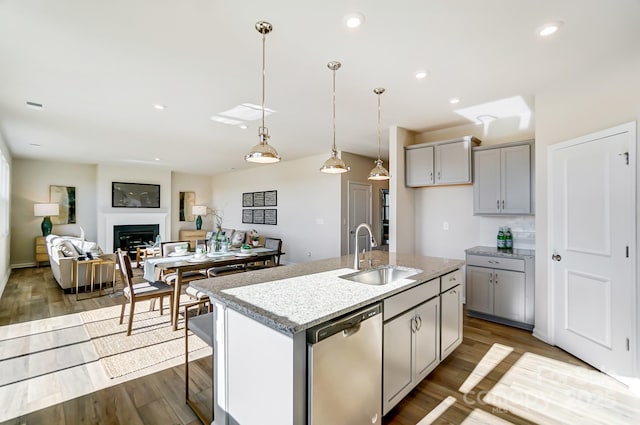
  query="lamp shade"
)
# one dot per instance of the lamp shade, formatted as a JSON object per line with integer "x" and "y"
{"x": 199, "y": 210}
{"x": 46, "y": 210}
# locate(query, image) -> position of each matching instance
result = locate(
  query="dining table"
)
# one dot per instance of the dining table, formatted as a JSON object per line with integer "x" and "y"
{"x": 184, "y": 263}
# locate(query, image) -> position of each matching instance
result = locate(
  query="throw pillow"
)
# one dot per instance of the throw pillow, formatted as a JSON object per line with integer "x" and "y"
{"x": 238, "y": 238}
{"x": 68, "y": 249}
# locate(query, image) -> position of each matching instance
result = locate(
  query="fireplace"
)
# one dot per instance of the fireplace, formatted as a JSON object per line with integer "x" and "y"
{"x": 129, "y": 236}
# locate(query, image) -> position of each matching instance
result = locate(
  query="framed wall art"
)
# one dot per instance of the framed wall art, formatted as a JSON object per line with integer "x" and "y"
{"x": 65, "y": 196}
{"x": 187, "y": 201}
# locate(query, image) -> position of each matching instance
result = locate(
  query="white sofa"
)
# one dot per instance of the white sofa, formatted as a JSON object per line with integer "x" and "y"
{"x": 62, "y": 249}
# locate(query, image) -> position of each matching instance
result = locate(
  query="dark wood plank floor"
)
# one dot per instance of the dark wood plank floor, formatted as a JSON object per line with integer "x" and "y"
{"x": 159, "y": 398}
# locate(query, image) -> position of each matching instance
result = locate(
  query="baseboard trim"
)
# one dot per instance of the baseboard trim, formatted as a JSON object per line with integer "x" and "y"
{"x": 23, "y": 265}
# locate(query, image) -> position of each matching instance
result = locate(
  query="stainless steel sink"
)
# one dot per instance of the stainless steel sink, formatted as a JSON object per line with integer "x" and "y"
{"x": 381, "y": 275}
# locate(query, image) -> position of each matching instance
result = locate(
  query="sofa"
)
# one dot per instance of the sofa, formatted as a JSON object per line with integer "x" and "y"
{"x": 62, "y": 249}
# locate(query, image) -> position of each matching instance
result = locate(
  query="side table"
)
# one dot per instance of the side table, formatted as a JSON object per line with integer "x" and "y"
{"x": 41, "y": 250}
{"x": 90, "y": 273}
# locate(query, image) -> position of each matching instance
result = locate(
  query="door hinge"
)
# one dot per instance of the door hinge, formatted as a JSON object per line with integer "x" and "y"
{"x": 627, "y": 344}
{"x": 627, "y": 251}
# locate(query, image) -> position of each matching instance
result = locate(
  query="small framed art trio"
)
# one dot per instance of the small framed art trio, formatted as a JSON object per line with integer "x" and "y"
{"x": 256, "y": 207}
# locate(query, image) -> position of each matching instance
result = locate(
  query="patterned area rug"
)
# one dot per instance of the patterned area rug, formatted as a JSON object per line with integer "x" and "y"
{"x": 152, "y": 339}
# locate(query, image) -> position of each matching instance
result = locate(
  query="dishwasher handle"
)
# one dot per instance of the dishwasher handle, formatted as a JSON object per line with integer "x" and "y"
{"x": 348, "y": 325}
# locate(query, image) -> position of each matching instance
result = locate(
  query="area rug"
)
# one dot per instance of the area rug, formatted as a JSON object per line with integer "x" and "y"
{"x": 152, "y": 338}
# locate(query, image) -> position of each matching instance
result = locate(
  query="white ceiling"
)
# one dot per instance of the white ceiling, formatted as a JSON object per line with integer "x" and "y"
{"x": 99, "y": 66}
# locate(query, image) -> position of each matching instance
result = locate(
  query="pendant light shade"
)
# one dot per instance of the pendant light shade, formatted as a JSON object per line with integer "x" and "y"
{"x": 334, "y": 165}
{"x": 263, "y": 152}
{"x": 378, "y": 172}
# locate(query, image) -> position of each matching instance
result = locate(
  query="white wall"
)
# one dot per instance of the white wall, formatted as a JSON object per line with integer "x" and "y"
{"x": 308, "y": 205}
{"x": 596, "y": 99}
{"x": 5, "y": 240}
{"x": 201, "y": 185}
{"x": 30, "y": 185}
{"x": 401, "y": 209}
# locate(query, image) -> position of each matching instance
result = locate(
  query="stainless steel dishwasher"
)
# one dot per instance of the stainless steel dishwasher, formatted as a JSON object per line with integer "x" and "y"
{"x": 345, "y": 369}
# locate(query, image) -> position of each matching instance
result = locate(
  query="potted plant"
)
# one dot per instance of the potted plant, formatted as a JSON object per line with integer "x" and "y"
{"x": 255, "y": 237}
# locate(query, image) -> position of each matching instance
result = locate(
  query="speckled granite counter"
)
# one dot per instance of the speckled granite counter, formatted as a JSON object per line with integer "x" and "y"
{"x": 296, "y": 297}
{"x": 495, "y": 252}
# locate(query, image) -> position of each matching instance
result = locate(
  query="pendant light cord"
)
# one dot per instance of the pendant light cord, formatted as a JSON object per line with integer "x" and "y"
{"x": 379, "y": 126}
{"x": 263, "y": 74}
{"x": 334, "y": 111}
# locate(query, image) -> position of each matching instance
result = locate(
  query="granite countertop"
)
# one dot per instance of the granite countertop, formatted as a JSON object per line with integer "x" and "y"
{"x": 295, "y": 297}
{"x": 495, "y": 252}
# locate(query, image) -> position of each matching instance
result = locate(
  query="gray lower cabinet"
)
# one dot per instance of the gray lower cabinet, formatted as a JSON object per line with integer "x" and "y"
{"x": 500, "y": 289}
{"x": 451, "y": 320}
{"x": 411, "y": 350}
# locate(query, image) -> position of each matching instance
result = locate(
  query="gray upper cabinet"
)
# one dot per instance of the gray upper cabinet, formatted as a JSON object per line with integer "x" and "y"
{"x": 419, "y": 166}
{"x": 439, "y": 163}
{"x": 503, "y": 179}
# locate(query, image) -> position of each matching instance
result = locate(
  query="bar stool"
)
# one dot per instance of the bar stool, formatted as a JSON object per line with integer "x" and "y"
{"x": 201, "y": 326}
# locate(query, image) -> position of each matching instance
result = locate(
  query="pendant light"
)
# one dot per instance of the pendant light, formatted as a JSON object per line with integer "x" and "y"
{"x": 263, "y": 152}
{"x": 378, "y": 172}
{"x": 334, "y": 165}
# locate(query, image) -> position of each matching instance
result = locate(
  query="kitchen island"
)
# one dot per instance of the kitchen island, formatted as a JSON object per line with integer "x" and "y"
{"x": 261, "y": 321}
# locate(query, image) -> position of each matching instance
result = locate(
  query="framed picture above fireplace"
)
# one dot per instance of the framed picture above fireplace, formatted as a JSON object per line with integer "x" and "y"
{"x": 135, "y": 195}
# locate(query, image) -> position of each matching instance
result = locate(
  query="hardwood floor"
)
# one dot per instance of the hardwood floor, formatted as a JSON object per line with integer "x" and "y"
{"x": 489, "y": 364}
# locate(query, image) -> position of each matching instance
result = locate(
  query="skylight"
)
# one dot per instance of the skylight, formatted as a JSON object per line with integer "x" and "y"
{"x": 247, "y": 112}
{"x": 509, "y": 107}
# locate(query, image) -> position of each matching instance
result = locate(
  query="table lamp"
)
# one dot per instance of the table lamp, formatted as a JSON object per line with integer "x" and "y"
{"x": 199, "y": 210}
{"x": 46, "y": 211}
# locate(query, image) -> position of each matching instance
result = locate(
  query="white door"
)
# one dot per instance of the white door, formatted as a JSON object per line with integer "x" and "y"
{"x": 592, "y": 243}
{"x": 359, "y": 212}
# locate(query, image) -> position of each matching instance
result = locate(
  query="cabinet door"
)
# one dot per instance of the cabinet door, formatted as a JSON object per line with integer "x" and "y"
{"x": 480, "y": 289}
{"x": 509, "y": 295}
{"x": 451, "y": 322}
{"x": 486, "y": 182}
{"x": 452, "y": 163}
{"x": 397, "y": 372}
{"x": 427, "y": 338}
{"x": 516, "y": 180}
{"x": 419, "y": 166}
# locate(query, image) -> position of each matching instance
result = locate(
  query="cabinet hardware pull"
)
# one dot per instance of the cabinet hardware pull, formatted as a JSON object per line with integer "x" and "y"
{"x": 419, "y": 322}
{"x": 498, "y": 204}
{"x": 503, "y": 204}
{"x": 414, "y": 324}
{"x": 452, "y": 279}
{"x": 453, "y": 292}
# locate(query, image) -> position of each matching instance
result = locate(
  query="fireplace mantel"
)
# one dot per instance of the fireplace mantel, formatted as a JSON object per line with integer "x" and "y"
{"x": 110, "y": 219}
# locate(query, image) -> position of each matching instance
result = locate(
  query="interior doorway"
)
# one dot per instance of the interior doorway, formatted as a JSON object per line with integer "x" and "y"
{"x": 359, "y": 212}
{"x": 592, "y": 215}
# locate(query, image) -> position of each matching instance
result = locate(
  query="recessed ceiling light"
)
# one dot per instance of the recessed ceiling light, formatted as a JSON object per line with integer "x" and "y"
{"x": 244, "y": 126}
{"x": 549, "y": 28}
{"x": 159, "y": 106}
{"x": 157, "y": 159}
{"x": 354, "y": 20}
{"x": 454, "y": 100}
{"x": 421, "y": 74}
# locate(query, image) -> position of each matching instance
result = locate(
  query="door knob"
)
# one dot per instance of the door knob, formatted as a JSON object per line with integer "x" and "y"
{"x": 556, "y": 257}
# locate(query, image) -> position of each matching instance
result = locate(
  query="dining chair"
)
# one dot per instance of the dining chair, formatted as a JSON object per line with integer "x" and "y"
{"x": 275, "y": 244}
{"x": 134, "y": 292}
{"x": 169, "y": 247}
